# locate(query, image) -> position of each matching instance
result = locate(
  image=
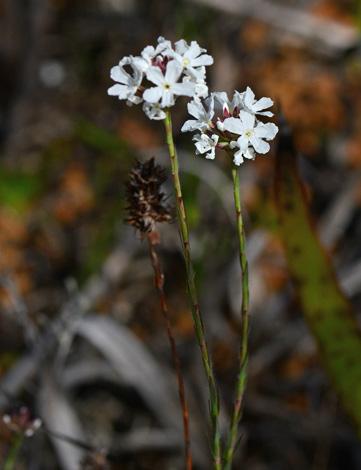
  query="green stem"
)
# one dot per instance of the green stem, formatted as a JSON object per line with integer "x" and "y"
{"x": 233, "y": 438}
{"x": 197, "y": 317}
{"x": 10, "y": 461}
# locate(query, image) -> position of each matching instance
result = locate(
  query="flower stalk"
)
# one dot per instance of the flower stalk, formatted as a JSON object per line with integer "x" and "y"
{"x": 153, "y": 239}
{"x": 197, "y": 317}
{"x": 16, "y": 446}
{"x": 233, "y": 438}
{"x": 146, "y": 208}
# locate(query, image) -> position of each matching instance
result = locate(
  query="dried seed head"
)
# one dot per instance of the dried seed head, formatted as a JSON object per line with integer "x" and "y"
{"x": 146, "y": 201}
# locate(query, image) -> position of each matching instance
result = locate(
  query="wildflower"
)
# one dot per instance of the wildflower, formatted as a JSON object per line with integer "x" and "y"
{"x": 20, "y": 422}
{"x": 153, "y": 54}
{"x": 255, "y": 107}
{"x": 203, "y": 115}
{"x": 128, "y": 85}
{"x": 204, "y": 144}
{"x": 191, "y": 58}
{"x": 154, "y": 111}
{"x": 239, "y": 156}
{"x": 250, "y": 132}
{"x": 167, "y": 86}
{"x": 146, "y": 201}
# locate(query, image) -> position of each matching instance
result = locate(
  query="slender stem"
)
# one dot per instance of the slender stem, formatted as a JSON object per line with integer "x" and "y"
{"x": 197, "y": 318}
{"x": 233, "y": 438}
{"x": 10, "y": 461}
{"x": 159, "y": 281}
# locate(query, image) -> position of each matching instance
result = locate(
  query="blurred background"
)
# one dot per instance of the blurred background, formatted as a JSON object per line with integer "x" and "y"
{"x": 83, "y": 343}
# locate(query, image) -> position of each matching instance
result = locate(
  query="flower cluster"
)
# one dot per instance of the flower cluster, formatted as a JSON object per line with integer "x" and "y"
{"x": 236, "y": 130}
{"x": 161, "y": 74}
{"x": 21, "y": 423}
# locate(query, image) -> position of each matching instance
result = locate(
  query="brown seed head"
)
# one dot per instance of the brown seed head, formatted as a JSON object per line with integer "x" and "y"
{"x": 146, "y": 203}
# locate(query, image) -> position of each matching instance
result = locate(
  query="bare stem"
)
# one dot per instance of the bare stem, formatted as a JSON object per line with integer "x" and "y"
{"x": 197, "y": 318}
{"x": 159, "y": 281}
{"x": 233, "y": 438}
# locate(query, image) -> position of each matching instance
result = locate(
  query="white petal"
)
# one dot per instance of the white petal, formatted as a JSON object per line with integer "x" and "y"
{"x": 190, "y": 126}
{"x": 152, "y": 95}
{"x": 249, "y": 153}
{"x": 184, "y": 89}
{"x": 181, "y": 46}
{"x": 173, "y": 72}
{"x": 167, "y": 99}
{"x": 242, "y": 142}
{"x": 234, "y": 125}
{"x": 220, "y": 98}
{"x": 119, "y": 75}
{"x": 193, "y": 51}
{"x": 154, "y": 74}
{"x": 259, "y": 145}
{"x": 204, "y": 59}
{"x": 201, "y": 90}
{"x": 238, "y": 158}
{"x": 211, "y": 155}
{"x": 265, "y": 113}
{"x": 195, "y": 108}
{"x": 122, "y": 91}
{"x": 154, "y": 112}
{"x": 263, "y": 103}
{"x": 248, "y": 119}
{"x": 267, "y": 131}
{"x": 248, "y": 97}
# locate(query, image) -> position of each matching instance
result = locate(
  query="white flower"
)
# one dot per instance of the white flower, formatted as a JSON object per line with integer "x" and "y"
{"x": 204, "y": 143}
{"x": 250, "y": 132}
{"x": 202, "y": 114}
{"x": 167, "y": 85}
{"x": 153, "y": 111}
{"x": 150, "y": 52}
{"x": 191, "y": 58}
{"x": 255, "y": 107}
{"x": 240, "y": 155}
{"x": 127, "y": 85}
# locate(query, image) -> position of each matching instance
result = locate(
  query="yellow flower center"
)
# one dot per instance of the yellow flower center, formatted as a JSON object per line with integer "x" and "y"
{"x": 248, "y": 134}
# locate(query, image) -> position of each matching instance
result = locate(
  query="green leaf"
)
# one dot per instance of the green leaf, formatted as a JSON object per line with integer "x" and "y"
{"x": 325, "y": 308}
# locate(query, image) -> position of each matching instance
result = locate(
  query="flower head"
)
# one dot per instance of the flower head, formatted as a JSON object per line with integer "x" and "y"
{"x": 174, "y": 72}
{"x": 235, "y": 129}
{"x": 21, "y": 423}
